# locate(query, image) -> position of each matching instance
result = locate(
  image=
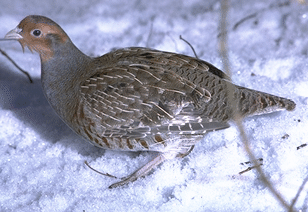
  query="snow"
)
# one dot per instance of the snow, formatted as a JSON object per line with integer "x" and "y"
{"x": 42, "y": 160}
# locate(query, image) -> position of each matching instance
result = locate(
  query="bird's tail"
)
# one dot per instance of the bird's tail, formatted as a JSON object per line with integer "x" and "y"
{"x": 251, "y": 102}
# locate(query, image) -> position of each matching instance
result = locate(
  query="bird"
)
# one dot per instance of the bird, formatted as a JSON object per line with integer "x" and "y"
{"x": 136, "y": 98}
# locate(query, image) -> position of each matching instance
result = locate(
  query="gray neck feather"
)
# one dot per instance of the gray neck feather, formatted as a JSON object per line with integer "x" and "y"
{"x": 61, "y": 79}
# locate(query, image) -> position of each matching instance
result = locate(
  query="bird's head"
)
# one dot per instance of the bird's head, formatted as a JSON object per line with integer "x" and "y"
{"x": 39, "y": 34}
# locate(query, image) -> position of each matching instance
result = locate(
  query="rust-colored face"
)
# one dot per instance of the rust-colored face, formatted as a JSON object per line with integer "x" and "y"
{"x": 38, "y": 34}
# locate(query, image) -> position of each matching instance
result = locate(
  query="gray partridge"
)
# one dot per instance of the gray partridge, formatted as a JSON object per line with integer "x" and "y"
{"x": 137, "y": 99}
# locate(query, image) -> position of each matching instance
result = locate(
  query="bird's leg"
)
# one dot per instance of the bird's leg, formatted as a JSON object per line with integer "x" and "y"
{"x": 144, "y": 170}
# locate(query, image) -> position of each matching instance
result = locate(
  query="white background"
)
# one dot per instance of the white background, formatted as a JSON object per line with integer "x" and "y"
{"x": 42, "y": 160}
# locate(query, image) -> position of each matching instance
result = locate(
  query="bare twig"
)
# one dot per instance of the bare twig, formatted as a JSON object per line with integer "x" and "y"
{"x": 105, "y": 174}
{"x": 264, "y": 179}
{"x": 249, "y": 168}
{"x": 248, "y": 162}
{"x": 17, "y": 66}
{"x": 243, "y": 20}
{"x": 301, "y": 146}
{"x": 150, "y": 34}
{"x": 298, "y": 193}
{"x": 223, "y": 47}
{"x": 190, "y": 46}
{"x": 223, "y": 43}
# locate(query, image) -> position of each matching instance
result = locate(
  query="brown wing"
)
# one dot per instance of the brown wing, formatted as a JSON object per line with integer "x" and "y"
{"x": 142, "y": 91}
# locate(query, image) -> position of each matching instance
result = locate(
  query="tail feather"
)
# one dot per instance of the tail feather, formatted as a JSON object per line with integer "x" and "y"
{"x": 251, "y": 102}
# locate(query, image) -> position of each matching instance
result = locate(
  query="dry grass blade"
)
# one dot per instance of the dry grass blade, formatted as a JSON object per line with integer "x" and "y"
{"x": 17, "y": 66}
{"x": 223, "y": 47}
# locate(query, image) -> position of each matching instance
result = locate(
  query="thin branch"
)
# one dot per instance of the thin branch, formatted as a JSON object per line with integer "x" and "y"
{"x": 223, "y": 47}
{"x": 264, "y": 179}
{"x": 248, "y": 162}
{"x": 298, "y": 193}
{"x": 17, "y": 66}
{"x": 248, "y": 169}
{"x": 150, "y": 34}
{"x": 190, "y": 46}
{"x": 223, "y": 43}
{"x": 243, "y": 20}
{"x": 105, "y": 174}
{"x": 301, "y": 146}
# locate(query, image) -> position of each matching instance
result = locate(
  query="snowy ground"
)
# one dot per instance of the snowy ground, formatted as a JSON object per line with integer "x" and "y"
{"x": 42, "y": 161}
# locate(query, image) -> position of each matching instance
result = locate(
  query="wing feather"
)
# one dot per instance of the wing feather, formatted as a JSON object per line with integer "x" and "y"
{"x": 144, "y": 92}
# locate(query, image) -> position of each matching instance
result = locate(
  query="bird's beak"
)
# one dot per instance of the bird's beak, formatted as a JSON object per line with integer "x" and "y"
{"x": 14, "y": 34}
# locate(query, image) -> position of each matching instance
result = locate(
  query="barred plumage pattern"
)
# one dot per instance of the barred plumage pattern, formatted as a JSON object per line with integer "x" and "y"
{"x": 144, "y": 99}
{"x": 137, "y": 99}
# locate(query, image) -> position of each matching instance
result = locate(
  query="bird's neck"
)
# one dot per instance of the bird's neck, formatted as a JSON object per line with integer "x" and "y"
{"x": 61, "y": 79}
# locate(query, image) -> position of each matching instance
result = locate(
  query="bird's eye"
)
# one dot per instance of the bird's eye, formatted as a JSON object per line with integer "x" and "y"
{"x": 36, "y": 32}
